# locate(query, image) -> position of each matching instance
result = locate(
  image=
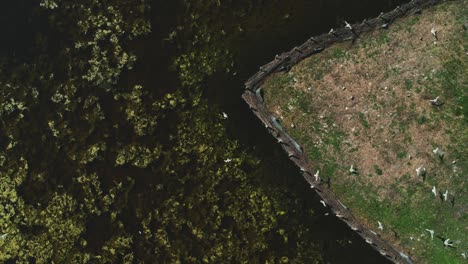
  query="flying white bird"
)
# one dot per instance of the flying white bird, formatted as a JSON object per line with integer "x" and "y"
{"x": 447, "y": 243}
{"x": 323, "y": 202}
{"x": 227, "y": 160}
{"x": 436, "y": 101}
{"x": 225, "y": 116}
{"x": 430, "y": 232}
{"x": 434, "y": 32}
{"x": 348, "y": 25}
{"x": 3, "y": 236}
{"x": 352, "y": 169}
{"x": 420, "y": 171}
{"x": 316, "y": 175}
{"x": 380, "y": 225}
{"x": 446, "y": 195}
{"x": 434, "y": 191}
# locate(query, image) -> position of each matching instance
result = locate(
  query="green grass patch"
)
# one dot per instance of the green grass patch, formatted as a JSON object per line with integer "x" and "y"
{"x": 378, "y": 170}
{"x": 408, "y": 84}
{"x": 363, "y": 120}
{"x": 402, "y": 154}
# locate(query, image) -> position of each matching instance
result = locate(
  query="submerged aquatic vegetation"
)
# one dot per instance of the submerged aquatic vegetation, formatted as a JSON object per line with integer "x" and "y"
{"x": 95, "y": 171}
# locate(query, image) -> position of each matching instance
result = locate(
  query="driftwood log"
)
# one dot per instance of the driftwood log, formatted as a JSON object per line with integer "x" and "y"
{"x": 284, "y": 62}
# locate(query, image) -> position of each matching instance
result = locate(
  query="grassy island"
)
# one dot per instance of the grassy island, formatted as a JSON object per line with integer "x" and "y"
{"x": 392, "y": 105}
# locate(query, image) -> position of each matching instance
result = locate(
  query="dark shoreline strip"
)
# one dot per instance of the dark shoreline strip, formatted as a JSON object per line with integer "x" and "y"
{"x": 284, "y": 62}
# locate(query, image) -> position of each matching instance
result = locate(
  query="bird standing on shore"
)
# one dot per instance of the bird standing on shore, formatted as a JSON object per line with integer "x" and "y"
{"x": 434, "y": 33}
{"x": 420, "y": 171}
{"x": 439, "y": 153}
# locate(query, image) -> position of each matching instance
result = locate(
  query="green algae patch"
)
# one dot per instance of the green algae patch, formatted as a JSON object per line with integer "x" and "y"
{"x": 392, "y": 104}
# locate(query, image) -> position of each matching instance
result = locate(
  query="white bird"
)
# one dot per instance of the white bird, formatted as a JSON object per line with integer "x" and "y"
{"x": 312, "y": 186}
{"x": 380, "y": 225}
{"x": 293, "y": 125}
{"x": 420, "y": 171}
{"x": 316, "y": 175}
{"x": 348, "y": 25}
{"x": 434, "y": 32}
{"x": 436, "y": 101}
{"x": 225, "y": 116}
{"x": 463, "y": 255}
{"x": 434, "y": 191}
{"x": 3, "y": 236}
{"x": 447, "y": 243}
{"x": 331, "y": 31}
{"x": 227, "y": 160}
{"x": 430, "y": 232}
{"x": 303, "y": 170}
{"x": 438, "y": 152}
{"x": 446, "y": 195}
{"x": 323, "y": 202}
{"x": 352, "y": 169}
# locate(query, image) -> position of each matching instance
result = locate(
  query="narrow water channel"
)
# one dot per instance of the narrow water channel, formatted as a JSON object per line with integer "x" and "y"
{"x": 297, "y": 21}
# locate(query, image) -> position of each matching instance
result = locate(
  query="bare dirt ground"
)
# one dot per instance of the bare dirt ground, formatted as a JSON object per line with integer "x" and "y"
{"x": 367, "y": 104}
